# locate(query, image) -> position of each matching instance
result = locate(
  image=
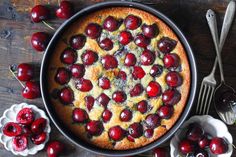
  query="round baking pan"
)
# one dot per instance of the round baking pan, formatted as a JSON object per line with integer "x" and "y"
{"x": 46, "y": 95}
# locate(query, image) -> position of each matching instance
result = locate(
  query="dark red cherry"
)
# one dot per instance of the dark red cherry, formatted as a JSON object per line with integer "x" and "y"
{"x": 93, "y": 30}
{"x": 62, "y": 76}
{"x": 201, "y": 153}
{"x": 104, "y": 83}
{"x": 55, "y": 148}
{"x": 39, "y": 138}
{"x": 138, "y": 72}
{"x": 89, "y": 102}
{"x": 153, "y": 89}
{"x": 186, "y": 146}
{"x": 171, "y": 97}
{"x": 130, "y": 59}
{"x": 119, "y": 96}
{"x": 77, "y": 70}
{"x": 109, "y": 62}
{"x": 66, "y": 95}
{"x": 116, "y": 133}
{"x": 40, "y": 40}
{"x": 218, "y": 145}
{"x": 174, "y": 79}
{"x": 147, "y": 57}
{"x": 166, "y": 45}
{"x": 142, "y": 106}
{"x": 38, "y": 125}
{"x": 132, "y": 22}
{"x": 150, "y": 31}
{"x": 204, "y": 142}
{"x": 195, "y": 132}
{"x": 125, "y": 115}
{"x": 110, "y": 24}
{"x": 31, "y": 90}
{"x": 79, "y": 115}
{"x": 130, "y": 138}
{"x": 142, "y": 41}
{"x": 160, "y": 152}
{"x": 106, "y": 44}
{"x": 39, "y": 13}
{"x": 89, "y": 57}
{"x": 26, "y": 130}
{"x": 125, "y": 37}
{"x": 171, "y": 60}
{"x": 83, "y": 85}
{"x": 65, "y": 10}
{"x": 165, "y": 112}
{"x": 20, "y": 143}
{"x": 156, "y": 70}
{"x": 103, "y": 99}
{"x": 25, "y": 116}
{"x": 77, "y": 41}
{"x": 148, "y": 133}
{"x": 24, "y": 72}
{"x": 136, "y": 90}
{"x": 12, "y": 129}
{"x": 94, "y": 128}
{"x": 68, "y": 56}
{"x": 106, "y": 115}
{"x": 122, "y": 75}
{"x": 135, "y": 130}
{"x": 152, "y": 121}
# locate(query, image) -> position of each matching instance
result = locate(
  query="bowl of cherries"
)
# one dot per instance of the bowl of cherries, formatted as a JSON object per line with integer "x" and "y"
{"x": 202, "y": 136}
{"x": 24, "y": 129}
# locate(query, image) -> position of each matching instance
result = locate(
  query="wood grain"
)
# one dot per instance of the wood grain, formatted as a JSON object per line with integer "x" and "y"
{"x": 189, "y": 15}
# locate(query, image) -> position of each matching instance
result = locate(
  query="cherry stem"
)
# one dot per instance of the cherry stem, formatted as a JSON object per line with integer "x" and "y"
{"x": 48, "y": 25}
{"x": 13, "y": 73}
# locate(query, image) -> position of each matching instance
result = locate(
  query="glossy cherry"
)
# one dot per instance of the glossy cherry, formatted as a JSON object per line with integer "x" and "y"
{"x": 25, "y": 116}
{"x": 130, "y": 59}
{"x": 111, "y": 24}
{"x": 39, "y": 13}
{"x": 122, "y": 75}
{"x": 12, "y": 129}
{"x": 77, "y": 41}
{"x": 174, "y": 79}
{"x": 77, "y": 70}
{"x": 156, "y": 70}
{"x": 204, "y": 142}
{"x": 68, "y": 56}
{"x": 65, "y": 10}
{"x": 147, "y": 57}
{"x": 93, "y": 30}
{"x": 116, "y": 133}
{"x": 20, "y": 143}
{"x": 142, "y": 41}
{"x": 106, "y": 44}
{"x": 79, "y": 115}
{"x": 94, "y": 128}
{"x": 171, "y": 60}
{"x": 171, "y": 97}
{"x": 55, "y": 148}
{"x": 148, "y": 133}
{"x": 152, "y": 121}
{"x": 103, "y": 99}
{"x": 125, "y": 37}
{"x": 66, "y": 95}
{"x": 138, "y": 72}
{"x": 109, "y": 62}
{"x": 142, "y": 106}
{"x": 89, "y": 57}
{"x": 31, "y": 90}
{"x": 195, "y": 132}
{"x": 104, "y": 83}
{"x": 83, "y": 85}
{"x": 150, "y": 31}
{"x": 89, "y": 102}
{"x": 165, "y": 112}
{"x": 218, "y": 145}
{"x": 135, "y": 130}
{"x": 136, "y": 90}
{"x": 186, "y": 146}
{"x": 160, "y": 152}
{"x": 166, "y": 45}
{"x": 40, "y": 40}
{"x": 62, "y": 76}
{"x": 132, "y": 22}
{"x": 125, "y": 115}
{"x": 38, "y": 125}
{"x": 153, "y": 89}
{"x": 39, "y": 138}
{"x": 119, "y": 96}
{"x": 106, "y": 115}
{"x": 24, "y": 72}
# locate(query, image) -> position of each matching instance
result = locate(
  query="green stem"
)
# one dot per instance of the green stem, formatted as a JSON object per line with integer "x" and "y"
{"x": 13, "y": 73}
{"x": 48, "y": 25}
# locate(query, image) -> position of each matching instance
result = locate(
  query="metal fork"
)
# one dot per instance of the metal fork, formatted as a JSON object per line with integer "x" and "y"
{"x": 209, "y": 83}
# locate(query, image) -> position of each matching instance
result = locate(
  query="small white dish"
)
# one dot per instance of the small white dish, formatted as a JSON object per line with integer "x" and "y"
{"x": 9, "y": 115}
{"x": 210, "y": 125}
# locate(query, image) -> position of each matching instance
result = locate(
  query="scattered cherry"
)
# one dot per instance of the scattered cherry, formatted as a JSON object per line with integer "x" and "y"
{"x": 79, "y": 115}
{"x": 136, "y": 90}
{"x": 165, "y": 44}
{"x": 65, "y": 10}
{"x": 19, "y": 143}
{"x": 132, "y": 22}
{"x": 119, "y": 96}
{"x": 171, "y": 97}
{"x": 103, "y": 99}
{"x": 171, "y": 60}
{"x": 77, "y": 70}
{"x": 31, "y": 90}
{"x": 116, "y": 133}
{"x": 94, "y": 128}
{"x": 93, "y": 30}
{"x": 68, "y": 56}
{"x": 109, "y": 62}
{"x": 142, "y": 106}
{"x": 12, "y": 129}
{"x": 77, "y": 41}
{"x": 25, "y": 116}
{"x": 218, "y": 145}
{"x": 104, "y": 83}
{"x": 24, "y": 72}
{"x": 125, "y": 115}
{"x": 39, "y": 13}
{"x": 153, "y": 89}
{"x": 142, "y": 41}
{"x": 89, "y": 57}
{"x": 174, "y": 79}
{"x": 40, "y": 40}
{"x": 62, "y": 76}
{"x": 152, "y": 121}
{"x": 138, "y": 72}
{"x": 55, "y": 148}
{"x": 135, "y": 130}
{"x": 66, "y": 95}
{"x": 147, "y": 57}
{"x": 106, "y": 44}
{"x": 110, "y": 24}
{"x": 156, "y": 70}
{"x": 39, "y": 138}
{"x": 106, "y": 115}
{"x": 38, "y": 125}
{"x": 125, "y": 37}
{"x": 186, "y": 146}
{"x": 150, "y": 31}
{"x": 130, "y": 59}
{"x": 89, "y": 102}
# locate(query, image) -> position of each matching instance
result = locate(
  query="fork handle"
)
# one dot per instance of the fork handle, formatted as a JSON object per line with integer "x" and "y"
{"x": 228, "y": 18}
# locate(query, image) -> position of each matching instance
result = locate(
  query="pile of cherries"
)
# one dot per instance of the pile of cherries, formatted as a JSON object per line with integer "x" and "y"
{"x": 197, "y": 142}
{"x": 26, "y": 126}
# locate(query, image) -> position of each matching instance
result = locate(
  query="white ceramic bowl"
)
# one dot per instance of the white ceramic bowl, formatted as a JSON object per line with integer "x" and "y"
{"x": 9, "y": 115}
{"x": 210, "y": 125}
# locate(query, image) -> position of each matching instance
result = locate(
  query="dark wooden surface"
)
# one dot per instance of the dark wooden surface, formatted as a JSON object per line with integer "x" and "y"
{"x": 16, "y": 29}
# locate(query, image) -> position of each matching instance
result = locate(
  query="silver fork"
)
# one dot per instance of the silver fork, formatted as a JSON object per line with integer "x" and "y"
{"x": 209, "y": 83}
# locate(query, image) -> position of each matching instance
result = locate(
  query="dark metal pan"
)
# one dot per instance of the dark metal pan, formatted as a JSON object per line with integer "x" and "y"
{"x": 46, "y": 96}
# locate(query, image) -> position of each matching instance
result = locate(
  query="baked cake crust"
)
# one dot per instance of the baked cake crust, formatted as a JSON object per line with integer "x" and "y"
{"x": 64, "y": 112}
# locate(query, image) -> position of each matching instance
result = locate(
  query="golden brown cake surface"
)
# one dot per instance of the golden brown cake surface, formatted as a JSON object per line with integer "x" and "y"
{"x": 96, "y": 70}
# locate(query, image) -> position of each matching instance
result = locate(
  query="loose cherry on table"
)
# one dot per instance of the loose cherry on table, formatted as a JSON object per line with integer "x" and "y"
{"x": 24, "y": 72}
{"x": 39, "y": 13}
{"x": 55, "y": 148}
{"x": 31, "y": 90}
{"x": 40, "y": 40}
{"x": 65, "y": 10}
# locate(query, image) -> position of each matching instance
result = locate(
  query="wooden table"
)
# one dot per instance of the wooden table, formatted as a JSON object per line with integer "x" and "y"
{"x": 16, "y": 29}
